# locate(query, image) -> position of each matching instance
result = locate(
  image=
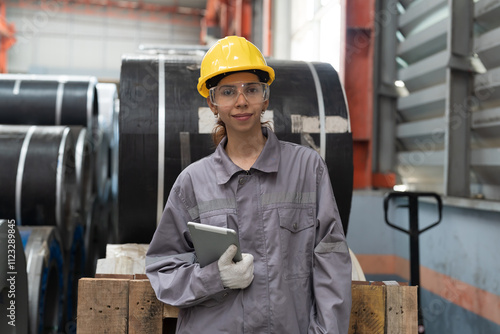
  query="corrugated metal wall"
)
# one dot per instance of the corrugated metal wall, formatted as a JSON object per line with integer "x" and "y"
{"x": 486, "y": 116}
{"x": 447, "y": 123}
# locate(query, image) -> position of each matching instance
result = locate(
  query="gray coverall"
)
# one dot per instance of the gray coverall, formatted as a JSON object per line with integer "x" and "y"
{"x": 286, "y": 216}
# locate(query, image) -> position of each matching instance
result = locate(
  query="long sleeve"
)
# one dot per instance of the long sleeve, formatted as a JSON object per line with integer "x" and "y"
{"x": 170, "y": 261}
{"x": 331, "y": 266}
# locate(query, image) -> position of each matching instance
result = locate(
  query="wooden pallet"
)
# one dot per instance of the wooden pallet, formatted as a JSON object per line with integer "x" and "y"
{"x": 378, "y": 308}
{"x": 128, "y": 304}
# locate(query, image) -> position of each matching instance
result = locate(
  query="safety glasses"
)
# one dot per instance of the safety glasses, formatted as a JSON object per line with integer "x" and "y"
{"x": 227, "y": 95}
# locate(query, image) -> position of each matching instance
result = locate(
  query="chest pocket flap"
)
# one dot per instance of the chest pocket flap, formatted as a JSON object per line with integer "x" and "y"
{"x": 296, "y": 219}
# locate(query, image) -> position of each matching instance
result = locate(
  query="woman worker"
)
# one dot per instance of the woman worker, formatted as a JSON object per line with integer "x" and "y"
{"x": 295, "y": 275}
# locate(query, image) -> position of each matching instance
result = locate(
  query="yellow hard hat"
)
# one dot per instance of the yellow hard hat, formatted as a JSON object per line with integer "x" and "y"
{"x": 231, "y": 54}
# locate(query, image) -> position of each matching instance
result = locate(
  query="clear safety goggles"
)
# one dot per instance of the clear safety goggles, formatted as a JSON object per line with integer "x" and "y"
{"x": 227, "y": 95}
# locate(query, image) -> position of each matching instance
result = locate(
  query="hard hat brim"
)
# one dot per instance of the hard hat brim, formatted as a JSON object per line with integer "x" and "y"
{"x": 202, "y": 87}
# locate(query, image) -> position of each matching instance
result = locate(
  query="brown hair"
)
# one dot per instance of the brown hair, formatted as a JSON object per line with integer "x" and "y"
{"x": 218, "y": 132}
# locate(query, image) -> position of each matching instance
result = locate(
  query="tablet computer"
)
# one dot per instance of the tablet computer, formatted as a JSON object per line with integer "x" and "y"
{"x": 210, "y": 242}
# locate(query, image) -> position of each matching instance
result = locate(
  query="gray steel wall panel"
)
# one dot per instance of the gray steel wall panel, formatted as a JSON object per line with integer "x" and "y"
{"x": 418, "y": 12}
{"x": 425, "y": 43}
{"x": 487, "y": 46}
{"x": 449, "y": 124}
{"x": 486, "y": 13}
{"x": 426, "y": 72}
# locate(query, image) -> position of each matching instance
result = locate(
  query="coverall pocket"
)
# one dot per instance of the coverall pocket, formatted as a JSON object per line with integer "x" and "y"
{"x": 297, "y": 241}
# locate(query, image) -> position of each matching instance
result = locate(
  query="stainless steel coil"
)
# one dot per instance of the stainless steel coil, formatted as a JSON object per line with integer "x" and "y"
{"x": 48, "y": 100}
{"x": 38, "y": 177}
{"x": 108, "y": 126}
{"x": 96, "y": 234}
{"x": 45, "y": 269}
{"x": 75, "y": 259}
{"x": 84, "y": 168}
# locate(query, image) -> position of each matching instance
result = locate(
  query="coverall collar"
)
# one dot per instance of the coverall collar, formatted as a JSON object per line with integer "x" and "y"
{"x": 267, "y": 162}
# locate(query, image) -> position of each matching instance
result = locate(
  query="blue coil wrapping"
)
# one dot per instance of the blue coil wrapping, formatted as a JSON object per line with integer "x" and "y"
{"x": 57, "y": 257}
{"x": 25, "y": 235}
{"x": 76, "y": 268}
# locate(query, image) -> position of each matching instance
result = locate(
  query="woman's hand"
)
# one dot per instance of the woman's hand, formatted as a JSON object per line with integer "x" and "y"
{"x": 235, "y": 275}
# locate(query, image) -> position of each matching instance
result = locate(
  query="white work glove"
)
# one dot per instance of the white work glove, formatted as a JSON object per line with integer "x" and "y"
{"x": 237, "y": 275}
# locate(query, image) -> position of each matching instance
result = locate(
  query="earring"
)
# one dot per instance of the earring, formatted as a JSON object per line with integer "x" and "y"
{"x": 216, "y": 115}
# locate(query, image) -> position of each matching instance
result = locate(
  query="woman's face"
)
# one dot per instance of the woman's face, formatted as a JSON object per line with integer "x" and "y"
{"x": 237, "y": 103}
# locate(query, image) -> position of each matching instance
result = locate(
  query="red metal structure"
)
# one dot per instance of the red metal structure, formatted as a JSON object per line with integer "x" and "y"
{"x": 233, "y": 17}
{"x": 7, "y": 39}
{"x": 358, "y": 43}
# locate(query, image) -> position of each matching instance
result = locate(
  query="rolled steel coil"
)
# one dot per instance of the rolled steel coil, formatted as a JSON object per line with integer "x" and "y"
{"x": 101, "y": 164}
{"x": 74, "y": 270}
{"x": 45, "y": 259}
{"x": 84, "y": 168}
{"x": 48, "y": 100}
{"x": 96, "y": 234}
{"x": 13, "y": 280}
{"x": 108, "y": 125}
{"x": 165, "y": 124}
{"x": 37, "y": 175}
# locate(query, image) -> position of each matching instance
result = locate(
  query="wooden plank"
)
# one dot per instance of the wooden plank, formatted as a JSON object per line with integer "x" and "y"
{"x": 360, "y": 283}
{"x": 368, "y": 309}
{"x": 130, "y": 306}
{"x": 145, "y": 311}
{"x": 402, "y": 309}
{"x": 102, "y": 306}
{"x": 118, "y": 276}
